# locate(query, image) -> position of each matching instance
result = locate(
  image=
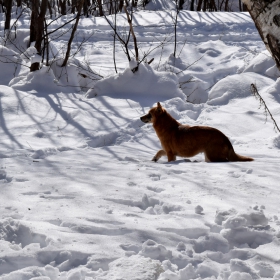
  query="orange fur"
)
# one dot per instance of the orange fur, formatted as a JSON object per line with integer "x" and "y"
{"x": 187, "y": 141}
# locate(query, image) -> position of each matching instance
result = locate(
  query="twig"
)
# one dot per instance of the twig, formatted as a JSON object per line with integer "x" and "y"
{"x": 182, "y": 47}
{"x": 190, "y": 80}
{"x": 216, "y": 82}
{"x": 255, "y": 92}
{"x": 129, "y": 20}
{"x": 189, "y": 65}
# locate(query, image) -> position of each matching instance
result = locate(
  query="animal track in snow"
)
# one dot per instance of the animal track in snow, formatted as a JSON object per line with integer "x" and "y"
{"x": 155, "y": 189}
{"x": 21, "y": 179}
{"x": 88, "y": 229}
{"x": 3, "y": 176}
{"x": 210, "y": 51}
{"x": 131, "y": 248}
{"x": 99, "y": 221}
{"x": 15, "y": 232}
{"x": 155, "y": 177}
{"x": 192, "y": 233}
{"x": 30, "y": 193}
{"x": 176, "y": 172}
{"x": 57, "y": 196}
{"x": 226, "y": 254}
{"x": 149, "y": 204}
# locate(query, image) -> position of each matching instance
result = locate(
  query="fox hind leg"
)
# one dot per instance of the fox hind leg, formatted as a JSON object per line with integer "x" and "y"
{"x": 158, "y": 155}
{"x": 215, "y": 157}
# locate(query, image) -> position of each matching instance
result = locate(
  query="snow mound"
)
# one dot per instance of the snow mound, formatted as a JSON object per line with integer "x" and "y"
{"x": 229, "y": 251}
{"x": 8, "y": 60}
{"x": 252, "y": 218}
{"x": 274, "y": 90}
{"x": 42, "y": 81}
{"x": 265, "y": 269}
{"x": 144, "y": 86}
{"x": 76, "y": 74}
{"x": 133, "y": 268}
{"x": 154, "y": 250}
{"x": 263, "y": 64}
{"x": 236, "y": 86}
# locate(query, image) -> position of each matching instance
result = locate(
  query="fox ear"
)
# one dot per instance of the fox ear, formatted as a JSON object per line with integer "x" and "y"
{"x": 159, "y": 108}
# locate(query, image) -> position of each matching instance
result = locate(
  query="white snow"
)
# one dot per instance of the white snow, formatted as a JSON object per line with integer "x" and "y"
{"x": 80, "y": 196}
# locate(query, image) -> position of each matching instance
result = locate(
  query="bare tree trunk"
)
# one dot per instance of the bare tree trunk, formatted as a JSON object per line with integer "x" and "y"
{"x": 67, "y": 55}
{"x": 121, "y": 5}
{"x": 213, "y": 6}
{"x": 40, "y": 25}
{"x": 266, "y": 15}
{"x": 46, "y": 44}
{"x": 74, "y": 6}
{"x": 85, "y": 8}
{"x": 199, "y": 5}
{"x": 181, "y": 3}
{"x": 204, "y": 5}
{"x": 192, "y": 5}
{"x": 175, "y": 29}
{"x": 129, "y": 19}
{"x": 50, "y": 9}
{"x": 100, "y": 8}
{"x": 39, "y": 32}
{"x": 240, "y": 5}
{"x": 19, "y": 2}
{"x": 144, "y": 3}
{"x": 62, "y": 4}
{"x": 8, "y": 4}
{"x": 114, "y": 48}
{"x": 226, "y": 6}
{"x": 33, "y": 23}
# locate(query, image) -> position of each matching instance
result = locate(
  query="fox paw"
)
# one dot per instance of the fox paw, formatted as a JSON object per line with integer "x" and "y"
{"x": 154, "y": 159}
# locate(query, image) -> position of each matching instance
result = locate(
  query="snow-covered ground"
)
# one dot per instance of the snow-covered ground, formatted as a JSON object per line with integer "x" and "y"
{"x": 80, "y": 196}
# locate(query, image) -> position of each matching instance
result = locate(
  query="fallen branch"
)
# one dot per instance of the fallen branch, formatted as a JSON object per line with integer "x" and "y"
{"x": 255, "y": 92}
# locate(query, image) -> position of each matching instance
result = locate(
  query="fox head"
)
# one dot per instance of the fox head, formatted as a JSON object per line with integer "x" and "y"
{"x": 153, "y": 114}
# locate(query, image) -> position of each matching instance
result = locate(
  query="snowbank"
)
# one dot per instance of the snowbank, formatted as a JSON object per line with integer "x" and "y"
{"x": 263, "y": 64}
{"x": 145, "y": 86}
{"x": 39, "y": 82}
{"x": 9, "y": 60}
{"x": 237, "y": 86}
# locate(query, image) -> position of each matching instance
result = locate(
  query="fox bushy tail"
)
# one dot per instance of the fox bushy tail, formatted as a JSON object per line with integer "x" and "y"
{"x": 233, "y": 156}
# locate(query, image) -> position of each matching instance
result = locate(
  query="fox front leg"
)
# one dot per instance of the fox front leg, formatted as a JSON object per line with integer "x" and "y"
{"x": 158, "y": 155}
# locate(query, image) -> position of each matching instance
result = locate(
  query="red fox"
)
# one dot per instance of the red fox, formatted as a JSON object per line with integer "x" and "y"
{"x": 187, "y": 141}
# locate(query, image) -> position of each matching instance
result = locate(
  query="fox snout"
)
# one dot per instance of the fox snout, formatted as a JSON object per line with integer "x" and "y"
{"x": 147, "y": 118}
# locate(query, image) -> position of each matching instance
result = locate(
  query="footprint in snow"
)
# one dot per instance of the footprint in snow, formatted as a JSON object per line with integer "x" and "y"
{"x": 150, "y": 205}
{"x": 155, "y": 177}
{"x": 21, "y": 179}
{"x": 131, "y": 184}
{"x": 155, "y": 189}
{"x": 96, "y": 230}
{"x": 17, "y": 233}
{"x": 4, "y": 178}
{"x": 198, "y": 210}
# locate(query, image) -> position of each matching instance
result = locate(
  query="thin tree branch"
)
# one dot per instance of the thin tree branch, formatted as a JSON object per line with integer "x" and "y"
{"x": 255, "y": 92}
